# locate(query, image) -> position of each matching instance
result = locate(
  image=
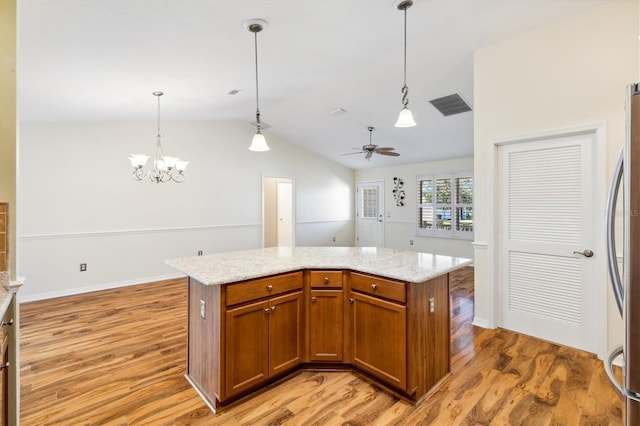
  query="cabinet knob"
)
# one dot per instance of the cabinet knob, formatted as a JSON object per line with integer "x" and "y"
{"x": 351, "y": 300}
{"x": 373, "y": 286}
{"x": 267, "y": 310}
{"x": 273, "y": 309}
{"x": 5, "y": 365}
{"x": 326, "y": 280}
{"x": 10, "y": 322}
{"x": 313, "y": 299}
{"x": 269, "y": 287}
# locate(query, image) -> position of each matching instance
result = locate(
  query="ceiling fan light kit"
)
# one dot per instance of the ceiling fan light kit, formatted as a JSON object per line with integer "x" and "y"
{"x": 405, "y": 118}
{"x": 259, "y": 142}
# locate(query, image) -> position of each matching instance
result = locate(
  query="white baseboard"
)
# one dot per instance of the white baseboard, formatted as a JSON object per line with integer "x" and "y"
{"x": 480, "y": 322}
{"x": 106, "y": 286}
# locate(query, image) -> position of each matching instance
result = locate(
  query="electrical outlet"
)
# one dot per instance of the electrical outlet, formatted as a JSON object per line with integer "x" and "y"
{"x": 83, "y": 267}
{"x": 410, "y": 242}
{"x": 199, "y": 252}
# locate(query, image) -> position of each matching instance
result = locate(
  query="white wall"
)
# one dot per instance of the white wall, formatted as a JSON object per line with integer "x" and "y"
{"x": 400, "y": 222}
{"x": 78, "y": 202}
{"x": 567, "y": 74}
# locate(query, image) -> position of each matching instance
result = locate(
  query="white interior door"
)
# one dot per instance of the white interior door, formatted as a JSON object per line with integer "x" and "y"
{"x": 369, "y": 213}
{"x": 285, "y": 203}
{"x": 547, "y": 217}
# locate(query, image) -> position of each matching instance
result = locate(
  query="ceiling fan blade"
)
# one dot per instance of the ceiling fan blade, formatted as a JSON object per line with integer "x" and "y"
{"x": 385, "y": 148}
{"x": 369, "y": 154}
{"x": 393, "y": 154}
{"x": 351, "y": 153}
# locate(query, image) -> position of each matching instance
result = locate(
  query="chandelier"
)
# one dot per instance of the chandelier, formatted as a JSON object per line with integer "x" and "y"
{"x": 165, "y": 168}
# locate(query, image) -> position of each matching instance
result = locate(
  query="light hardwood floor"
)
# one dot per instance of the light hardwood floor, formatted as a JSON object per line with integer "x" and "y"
{"x": 118, "y": 358}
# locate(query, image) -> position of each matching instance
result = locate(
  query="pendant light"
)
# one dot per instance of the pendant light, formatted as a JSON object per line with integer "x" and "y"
{"x": 259, "y": 143}
{"x": 165, "y": 168}
{"x": 405, "y": 118}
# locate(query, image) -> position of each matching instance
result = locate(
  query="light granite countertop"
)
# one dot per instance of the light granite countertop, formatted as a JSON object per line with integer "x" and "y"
{"x": 229, "y": 267}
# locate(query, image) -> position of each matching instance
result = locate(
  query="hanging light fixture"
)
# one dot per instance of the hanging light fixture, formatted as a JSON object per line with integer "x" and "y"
{"x": 165, "y": 168}
{"x": 259, "y": 143}
{"x": 405, "y": 119}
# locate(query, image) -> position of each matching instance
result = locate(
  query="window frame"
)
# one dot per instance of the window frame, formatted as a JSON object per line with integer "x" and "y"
{"x": 453, "y": 205}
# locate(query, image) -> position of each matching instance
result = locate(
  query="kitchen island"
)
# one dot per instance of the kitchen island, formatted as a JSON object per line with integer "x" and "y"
{"x": 256, "y": 316}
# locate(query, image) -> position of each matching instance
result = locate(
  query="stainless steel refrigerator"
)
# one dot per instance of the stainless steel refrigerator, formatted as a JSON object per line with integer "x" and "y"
{"x": 627, "y": 287}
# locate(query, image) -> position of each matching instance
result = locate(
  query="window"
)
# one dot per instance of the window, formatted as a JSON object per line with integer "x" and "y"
{"x": 445, "y": 206}
{"x": 369, "y": 203}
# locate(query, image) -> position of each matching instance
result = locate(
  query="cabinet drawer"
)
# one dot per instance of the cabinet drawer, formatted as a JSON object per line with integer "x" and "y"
{"x": 325, "y": 279}
{"x": 375, "y": 286}
{"x": 263, "y": 287}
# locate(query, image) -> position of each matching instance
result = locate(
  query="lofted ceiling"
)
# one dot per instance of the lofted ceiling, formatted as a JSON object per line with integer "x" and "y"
{"x": 100, "y": 60}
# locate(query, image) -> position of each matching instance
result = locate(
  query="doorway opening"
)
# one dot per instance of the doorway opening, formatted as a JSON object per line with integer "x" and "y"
{"x": 278, "y": 212}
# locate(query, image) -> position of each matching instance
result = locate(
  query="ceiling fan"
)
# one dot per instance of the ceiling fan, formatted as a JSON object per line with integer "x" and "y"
{"x": 370, "y": 148}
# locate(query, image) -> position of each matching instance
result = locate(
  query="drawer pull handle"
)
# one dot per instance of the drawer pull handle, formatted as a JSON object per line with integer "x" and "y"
{"x": 313, "y": 299}
{"x": 326, "y": 280}
{"x": 373, "y": 286}
{"x": 10, "y": 322}
{"x": 269, "y": 287}
{"x": 5, "y": 365}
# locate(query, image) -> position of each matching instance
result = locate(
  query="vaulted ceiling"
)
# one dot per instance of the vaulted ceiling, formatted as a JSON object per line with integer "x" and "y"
{"x": 98, "y": 60}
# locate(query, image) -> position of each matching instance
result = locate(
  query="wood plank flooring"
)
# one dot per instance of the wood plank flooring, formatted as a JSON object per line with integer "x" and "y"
{"x": 118, "y": 358}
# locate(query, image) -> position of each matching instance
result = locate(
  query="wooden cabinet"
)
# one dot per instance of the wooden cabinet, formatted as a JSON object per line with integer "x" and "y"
{"x": 400, "y": 331}
{"x": 245, "y": 335}
{"x": 247, "y": 349}
{"x": 242, "y": 335}
{"x": 325, "y": 305}
{"x": 379, "y": 338}
{"x": 8, "y": 371}
{"x": 264, "y": 339}
{"x": 4, "y": 372}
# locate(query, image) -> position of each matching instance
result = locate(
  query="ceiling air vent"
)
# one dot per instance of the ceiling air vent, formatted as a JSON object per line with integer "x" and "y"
{"x": 450, "y": 105}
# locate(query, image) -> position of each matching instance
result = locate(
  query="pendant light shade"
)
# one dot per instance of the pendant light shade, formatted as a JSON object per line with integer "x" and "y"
{"x": 405, "y": 118}
{"x": 259, "y": 142}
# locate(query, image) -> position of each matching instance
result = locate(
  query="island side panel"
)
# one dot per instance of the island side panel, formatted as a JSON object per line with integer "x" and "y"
{"x": 203, "y": 359}
{"x": 428, "y": 335}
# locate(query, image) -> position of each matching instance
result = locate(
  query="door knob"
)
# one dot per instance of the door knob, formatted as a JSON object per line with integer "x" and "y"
{"x": 585, "y": 253}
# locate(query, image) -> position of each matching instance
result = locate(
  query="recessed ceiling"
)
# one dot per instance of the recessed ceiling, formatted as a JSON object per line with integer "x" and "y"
{"x": 97, "y": 60}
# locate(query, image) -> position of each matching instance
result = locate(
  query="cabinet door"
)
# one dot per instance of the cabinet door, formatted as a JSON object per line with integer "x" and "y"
{"x": 325, "y": 325}
{"x": 285, "y": 332}
{"x": 247, "y": 351}
{"x": 379, "y": 331}
{"x": 4, "y": 379}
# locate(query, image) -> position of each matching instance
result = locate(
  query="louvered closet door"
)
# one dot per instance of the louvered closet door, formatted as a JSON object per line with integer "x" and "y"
{"x": 546, "y": 214}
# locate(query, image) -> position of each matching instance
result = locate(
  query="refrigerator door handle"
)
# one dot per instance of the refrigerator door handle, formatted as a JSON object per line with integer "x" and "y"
{"x": 608, "y": 368}
{"x": 614, "y": 272}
